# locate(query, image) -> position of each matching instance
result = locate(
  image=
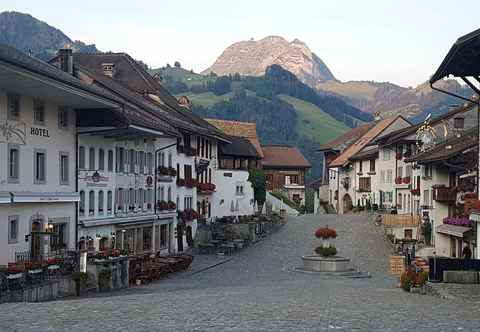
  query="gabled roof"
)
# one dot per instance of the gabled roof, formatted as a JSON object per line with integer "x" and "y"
{"x": 238, "y": 147}
{"x": 369, "y": 136}
{"x": 15, "y": 57}
{"x": 246, "y": 130}
{"x": 449, "y": 148}
{"x": 343, "y": 141}
{"x": 283, "y": 156}
{"x": 402, "y": 134}
{"x": 365, "y": 154}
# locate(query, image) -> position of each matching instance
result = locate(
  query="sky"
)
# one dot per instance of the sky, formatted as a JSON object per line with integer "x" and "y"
{"x": 402, "y": 42}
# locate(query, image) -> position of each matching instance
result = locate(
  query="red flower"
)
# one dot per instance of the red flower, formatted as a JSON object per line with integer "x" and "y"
{"x": 406, "y": 180}
{"x": 325, "y": 233}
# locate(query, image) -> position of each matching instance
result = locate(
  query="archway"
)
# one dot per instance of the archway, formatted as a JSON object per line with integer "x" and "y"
{"x": 347, "y": 203}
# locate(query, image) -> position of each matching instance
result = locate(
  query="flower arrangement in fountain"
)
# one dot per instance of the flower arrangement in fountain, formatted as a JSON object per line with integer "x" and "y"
{"x": 326, "y": 234}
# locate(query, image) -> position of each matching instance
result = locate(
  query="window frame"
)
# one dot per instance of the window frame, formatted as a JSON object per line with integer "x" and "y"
{"x": 63, "y": 120}
{"x": 35, "y": 166}
{"x": 36, "y": 104}
{"x": 10, "y": 178}
{"x": 12, "y": 218}
{"x": 62, "y": 169}
{"x": 17, "y": 99}
{"x": 110, "y": 158}
{"x": 101, "y": 159}
{"x": 91, "y": 158}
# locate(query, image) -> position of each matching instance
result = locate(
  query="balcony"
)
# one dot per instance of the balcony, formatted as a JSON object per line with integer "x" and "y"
{"x": 444, "y": 194}
{"x": 164, "y": 206}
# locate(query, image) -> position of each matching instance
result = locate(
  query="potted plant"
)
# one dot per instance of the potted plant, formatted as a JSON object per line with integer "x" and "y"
{"x": 326, "y": 234}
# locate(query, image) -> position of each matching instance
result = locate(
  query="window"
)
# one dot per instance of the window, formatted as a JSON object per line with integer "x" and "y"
{"x": 426, "y": 197}
{"x": 64, "y": 168}
{"x": 150, "y": 163}
{"x": 389, "y": 176}
{"x": 360, "y": 166}
{"x": 364, "y": 184}
{"x": 61, "y": 239}
{"x": 162, "y": 194}
{"x": 458, "y": 123}
{"x": 91, "y": 203}
{"x": 408, "y": 171}
{"x": 12, "y": 229}
{"x": 427, "y": 171}
{"x": 399, "y": 202}
{"x": 120, "y": 199}
{"x": 81, "y": 157}
{"x": 109, "y": 202}
{"x": 170, "y": 160}
{"x": 187, "y": 201}
{"x": 40, "y": 161}
{"x": 133, "y": 157}
{"x": 62, "y": 118}
{"x": 149, "y": 199}
{"x": 101, "y": 159}
{"x": 141, "y": 162}
{"x": 110, "y": 161}
{"x": 400, "y": 171}
{"x": 100, "y": 202}
{"x": 386, "y": 154}
{"x": 131, "y": 198}
{"x": 81, "y": 206}
{"x": 140, "y": 198}
{"x": 13, "y": 163}
{"x": 187, "y": 172}
{"x": 372, "y": 165}
{"x": 91, "y": 158}
{"x": 163, "y": 236}
{"x": 240, "y": 190}
{"x": 169, "y": 196}
{"x": 382, "y": 176}
{"x": 39, "y": 112}
{"x": 13, "y": 104}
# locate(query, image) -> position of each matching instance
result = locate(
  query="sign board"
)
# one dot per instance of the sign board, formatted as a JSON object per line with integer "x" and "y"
{"x": 397, "y": 264}
{"x": 83, "y": 262}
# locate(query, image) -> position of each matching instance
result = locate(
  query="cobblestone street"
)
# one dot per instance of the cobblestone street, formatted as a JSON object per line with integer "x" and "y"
{"x": 257, "y": 291}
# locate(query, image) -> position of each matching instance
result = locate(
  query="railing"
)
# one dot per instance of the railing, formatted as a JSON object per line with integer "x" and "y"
{"x": 444, "y": 194}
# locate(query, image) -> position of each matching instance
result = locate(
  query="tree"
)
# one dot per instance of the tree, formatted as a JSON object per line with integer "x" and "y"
{"x": 177, "y": 64}
{"x": 259, "y": 185}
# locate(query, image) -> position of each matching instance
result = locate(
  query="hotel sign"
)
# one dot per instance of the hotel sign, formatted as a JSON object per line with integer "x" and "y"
{"x": 42, "y": 132}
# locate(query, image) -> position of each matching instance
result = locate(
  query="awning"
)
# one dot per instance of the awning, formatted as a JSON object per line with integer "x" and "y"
{"x": 453, "y": 230}
{"x": 44, "y": 197}
{"x": 463, "y": 58}
{"x": 5, "y": 197}
{"x": 129, "y": 220}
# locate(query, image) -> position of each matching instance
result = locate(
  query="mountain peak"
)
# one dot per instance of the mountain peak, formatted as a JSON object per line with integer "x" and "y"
{"x": 253, "y": 57}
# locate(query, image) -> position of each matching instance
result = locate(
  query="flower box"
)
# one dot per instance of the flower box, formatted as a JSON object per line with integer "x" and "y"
{"x": 181, "y": 182}
{"x": 458, "y": 221}
{"x": 406, "y": 180}
{"x": 171, "y": 205}
{"x": 162, "y": 205}
{"x": 398, "y": 180}
{"x": 172, "y": 171}
{"x": 415, "y": 191}
{"x": 162, "y": 170}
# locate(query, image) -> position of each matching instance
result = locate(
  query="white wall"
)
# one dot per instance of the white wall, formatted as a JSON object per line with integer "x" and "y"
{"x": 226, "y": 193}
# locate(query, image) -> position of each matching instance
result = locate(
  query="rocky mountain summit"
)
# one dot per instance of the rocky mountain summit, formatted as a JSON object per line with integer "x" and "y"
{"x": 252, "y": 57}
{"x": 30, "y": 35}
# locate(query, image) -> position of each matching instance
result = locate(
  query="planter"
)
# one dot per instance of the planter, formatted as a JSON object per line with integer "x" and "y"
{"x": 318, "y": 263}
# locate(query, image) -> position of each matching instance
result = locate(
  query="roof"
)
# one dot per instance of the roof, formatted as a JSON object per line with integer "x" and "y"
{"x": 132, "y": 82}
{"x": 348, "y": 138}
{"x": 449, "y": 148}
{"x": 15, "y": 57}
{"x": 401, "y": 134}
{"x": 283, "y": 156}
{"x": 246, "y": 130}
{"x": 365, "y": 154}
{"x": 239, "y": 147}
{"x": 369, "y": 136}
{"x": 462, "y": 59}
{"x": 453, "y": 230}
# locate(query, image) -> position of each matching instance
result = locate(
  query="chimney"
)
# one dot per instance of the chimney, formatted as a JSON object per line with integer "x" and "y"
{"x": 65, "y": 57}
{"x": 108, "y": 69}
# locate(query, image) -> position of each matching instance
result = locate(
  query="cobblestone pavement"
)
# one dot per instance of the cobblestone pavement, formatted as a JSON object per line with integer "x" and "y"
{"x": 256, "y": 291}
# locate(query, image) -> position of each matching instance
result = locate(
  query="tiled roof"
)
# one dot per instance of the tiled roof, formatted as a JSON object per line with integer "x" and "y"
{"x": 17, "y": 58}
{"x": 365, "y": 154}
{"x": 279, "y": 156}
{"x": 239, "y": 146}
{"x": 356, "y": 147}
{"x": 240, "y": 129}
{"x": 449, "y": 148}
{"x": 401, "y": 134}
{"x": 343, "y": 141}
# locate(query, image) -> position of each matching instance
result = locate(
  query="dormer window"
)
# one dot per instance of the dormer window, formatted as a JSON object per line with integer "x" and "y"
{"x": 459, "y": 122}
{"x": 108, "y": 69}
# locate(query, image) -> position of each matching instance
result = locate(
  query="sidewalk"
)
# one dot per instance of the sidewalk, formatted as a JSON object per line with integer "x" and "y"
{"x": 204, "y": 262}
{"x": 467, "y": 292}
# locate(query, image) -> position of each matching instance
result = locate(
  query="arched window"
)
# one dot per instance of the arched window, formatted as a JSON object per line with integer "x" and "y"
{"x": 100, "y": 202}
{"x": 109, "y": 202}
{"x": 91, "y": 203}
{"x": 81, "y": 206}
{"x": 81, "y": 157}
{"x": 91, "y": 158}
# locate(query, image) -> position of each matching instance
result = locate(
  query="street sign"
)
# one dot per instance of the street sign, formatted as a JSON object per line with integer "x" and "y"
{"x": 397, "y": 264}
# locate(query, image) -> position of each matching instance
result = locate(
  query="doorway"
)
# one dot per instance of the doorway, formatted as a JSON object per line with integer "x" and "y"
{"x": 179, "y": 237}
{"x": 347, "y": 203}
{"x": 36, "y": 241}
